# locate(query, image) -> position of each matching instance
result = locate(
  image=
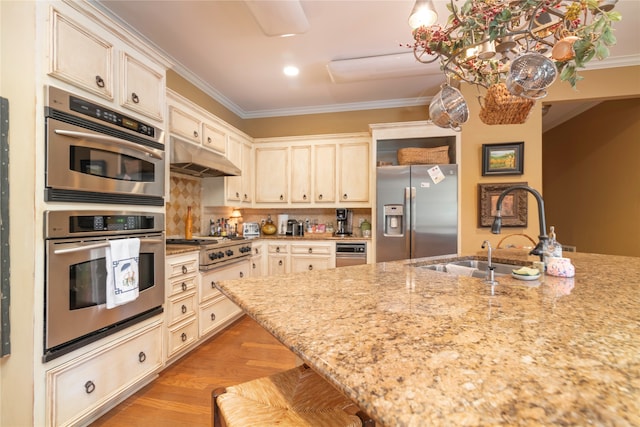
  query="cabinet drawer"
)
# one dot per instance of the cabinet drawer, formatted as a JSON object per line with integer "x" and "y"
{"x": 182, "y": 265}
{"x": 312, "y": 249}
{"x": 181, "y": 307}
{"x": 277, "y": 248}
{"x": 84, "y": 384}
{"x": 182, "y": 284}
{"x": 309, "y": 263}
{"x": 181, "y": 336}
{"x": 217, "y": 313}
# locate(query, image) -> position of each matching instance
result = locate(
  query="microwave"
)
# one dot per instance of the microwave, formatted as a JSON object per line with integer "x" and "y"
{"x": 97, "y": 155}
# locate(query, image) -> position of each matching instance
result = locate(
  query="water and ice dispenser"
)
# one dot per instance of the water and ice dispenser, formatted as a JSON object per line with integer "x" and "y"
{"x": 394, "y": 220}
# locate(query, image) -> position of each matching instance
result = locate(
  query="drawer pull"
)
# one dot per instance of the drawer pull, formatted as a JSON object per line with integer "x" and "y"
{"x": 281, "y": 197}
{"x": 184, "y": 269}
{"x": 344, "y": 196}
{"x": 320, "y": 197}
{"x": 142, "y": 357}
{"x": 241, "y": 274}
{"x": 183, "y": 337}
{"x": 246, "y": 196}
{"x": 280, "y": 263}
{"x": 184, "y": 309}
{"x": 253, "y": 265}
{"x": 237, "y": 195}
{"x": 209, "y": 139}
{"x": 310, "y": 250}
{"x": 134, "y": 98}
{"x": 99, "y": 81}
{"x": 89, "y": 387}
{"x": 184, "y": 286}
{"x": 195, "y": 134}
{"x": 278, "y": 249}
{"x": 304, "y": 197}
{"x": 213, "y": 284}
{"x": 310, "y": 267}
{"x": 213, "y": 317}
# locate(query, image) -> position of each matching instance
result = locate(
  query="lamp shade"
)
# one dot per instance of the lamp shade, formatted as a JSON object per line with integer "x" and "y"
{"x": 423, "y": 14}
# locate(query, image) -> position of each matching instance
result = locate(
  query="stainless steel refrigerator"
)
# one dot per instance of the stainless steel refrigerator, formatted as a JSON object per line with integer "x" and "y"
{"x": 417, "y": 211}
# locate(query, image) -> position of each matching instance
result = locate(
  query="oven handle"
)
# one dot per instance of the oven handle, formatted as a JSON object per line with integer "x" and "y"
{"x": 98, "y": 246}
{"x": 104, "y": 138}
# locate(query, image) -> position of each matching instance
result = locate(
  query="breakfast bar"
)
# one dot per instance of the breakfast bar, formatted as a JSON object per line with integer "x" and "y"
{"x": 414, "y": 347}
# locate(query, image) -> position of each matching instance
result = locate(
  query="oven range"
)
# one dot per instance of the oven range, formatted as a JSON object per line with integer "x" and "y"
{"x": 215, "y": 252}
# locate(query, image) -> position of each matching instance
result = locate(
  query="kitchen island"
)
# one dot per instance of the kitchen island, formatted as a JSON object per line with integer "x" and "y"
{"x": 414, "y": 347}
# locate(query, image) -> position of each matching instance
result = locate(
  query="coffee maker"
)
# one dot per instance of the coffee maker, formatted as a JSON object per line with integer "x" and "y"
{"x": 344, "y": 220}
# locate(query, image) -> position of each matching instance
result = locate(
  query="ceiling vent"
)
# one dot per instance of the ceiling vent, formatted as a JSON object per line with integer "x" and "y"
{"x": 279, "y": 18}
{"x": 378, "y": 67}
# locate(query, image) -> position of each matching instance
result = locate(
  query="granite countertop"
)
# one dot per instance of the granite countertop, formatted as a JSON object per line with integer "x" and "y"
{"x": 313, "y": 236}
{"x": 417, "y": 347}
{"x": 180, "y": 249}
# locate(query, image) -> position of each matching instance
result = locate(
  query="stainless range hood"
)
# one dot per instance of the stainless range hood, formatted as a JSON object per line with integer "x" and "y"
{"x": 193, "y": 160}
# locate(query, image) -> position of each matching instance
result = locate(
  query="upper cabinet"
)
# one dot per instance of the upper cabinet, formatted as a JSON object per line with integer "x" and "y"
{"x": 102, "y": 62}
{"x": 314, "y": 171}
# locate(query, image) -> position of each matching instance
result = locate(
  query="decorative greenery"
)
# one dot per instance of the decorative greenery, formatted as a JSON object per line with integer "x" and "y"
{"x": 534, "y": 25}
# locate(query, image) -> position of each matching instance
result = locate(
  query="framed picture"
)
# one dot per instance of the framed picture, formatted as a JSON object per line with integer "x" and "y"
{"x": 514, "y": 205}
{"x": 503, "y": 159}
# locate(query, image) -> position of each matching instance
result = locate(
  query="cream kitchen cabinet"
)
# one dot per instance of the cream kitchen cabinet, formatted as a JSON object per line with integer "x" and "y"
{"x": 239, "y": 189}
{"x": 192, "y": 123}
{"x": 215, "y": 310}
{"x": 301, "y": 174}
{"x": 101, "y": 61}
{"x": 257, "y": 259}
{"x": 312, "y": 255}
{"x": 353, "y": 172}
{"x": 324, "y": 173}
{"x": 272, "y": 174}
{"x": 181, "y": 302}
{"x": 277, "y": 258}
{"x": 81, "y": 387}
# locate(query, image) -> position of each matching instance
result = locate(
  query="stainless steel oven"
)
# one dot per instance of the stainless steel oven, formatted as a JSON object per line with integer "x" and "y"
{"x": 350, "y": 253}
{"x": 76, "y": 275}
{"x": 94, "y": 154}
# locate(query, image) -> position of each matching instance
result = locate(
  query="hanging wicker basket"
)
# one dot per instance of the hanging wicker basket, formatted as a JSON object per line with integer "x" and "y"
{"x": 502, "y": 108}
{"x": 423, "y": 156}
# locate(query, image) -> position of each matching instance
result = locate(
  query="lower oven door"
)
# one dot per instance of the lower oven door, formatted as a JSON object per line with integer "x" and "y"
{"x": 76, "y": 275}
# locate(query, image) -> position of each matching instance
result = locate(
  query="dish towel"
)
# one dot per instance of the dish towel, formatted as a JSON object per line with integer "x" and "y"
{"x": 460, "y": 270}
{"x": 122, "y": 257}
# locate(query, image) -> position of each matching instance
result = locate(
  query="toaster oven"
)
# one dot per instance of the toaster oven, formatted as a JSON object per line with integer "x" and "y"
{"x": 250, "y": 230}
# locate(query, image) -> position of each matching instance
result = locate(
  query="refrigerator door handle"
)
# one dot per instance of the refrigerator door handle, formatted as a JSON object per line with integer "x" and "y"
{"x": 410, "y": 220}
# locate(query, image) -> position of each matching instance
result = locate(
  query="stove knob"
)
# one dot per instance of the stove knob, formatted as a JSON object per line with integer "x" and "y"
{"x": 212, "y": 256}
{"x": 220, "y": 254}
{"x": 229, "y": 252}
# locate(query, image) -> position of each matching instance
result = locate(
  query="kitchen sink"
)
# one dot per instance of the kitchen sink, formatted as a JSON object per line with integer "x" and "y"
{"x": 479, "y": 268}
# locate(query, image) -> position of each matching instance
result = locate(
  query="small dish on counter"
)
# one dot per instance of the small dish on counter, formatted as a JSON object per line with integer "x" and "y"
{"x": 526, "y": 273}
{"x": 525, "y": 276}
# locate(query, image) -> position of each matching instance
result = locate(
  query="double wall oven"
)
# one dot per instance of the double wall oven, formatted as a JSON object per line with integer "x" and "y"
{"x": 96, "y": 161}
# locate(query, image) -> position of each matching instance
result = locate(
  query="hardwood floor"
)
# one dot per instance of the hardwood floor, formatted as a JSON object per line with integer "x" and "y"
{"x": 181, "y": 396}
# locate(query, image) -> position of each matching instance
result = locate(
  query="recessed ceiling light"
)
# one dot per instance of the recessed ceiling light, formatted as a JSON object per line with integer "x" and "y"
{"x": 291, "y": 71}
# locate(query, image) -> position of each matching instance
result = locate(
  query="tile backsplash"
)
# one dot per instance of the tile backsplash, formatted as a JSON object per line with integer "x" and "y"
{"x": 185, "y": 191}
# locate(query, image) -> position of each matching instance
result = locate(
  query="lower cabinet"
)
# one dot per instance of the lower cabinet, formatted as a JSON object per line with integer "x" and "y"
{"x": 81, "y": 387}
{"x": 294, "y": 257}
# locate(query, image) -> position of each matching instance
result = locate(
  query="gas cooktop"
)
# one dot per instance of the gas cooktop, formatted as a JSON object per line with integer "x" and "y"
{"x": 199, "y": 241}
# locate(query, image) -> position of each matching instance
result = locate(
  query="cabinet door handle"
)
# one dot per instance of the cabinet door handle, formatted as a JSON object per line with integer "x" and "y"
{"x": 184, "y": 286}
{"x": 310, "y": 250}
{"x": 304, "y": 197}
{"x": 134, "y": 98}
{"x": 196, "y": 134}
{"x": 253, "y": 265}
{"x": 213, "y": 284}
{"x": 89, "y": 387}
{"x": 99, "y": 81}
{"x": 209, "y": 139}
{"x": 319, "y": 196}
{"x": 310, "y": 267}
{"x": 184, "y": 309}
{"x": 344, "y": 196}
{"x": 278, "y": 249}
{"x": 237, "y": 194}
{"x": 184, "y": 269}
{"x": 282, "y": 197}
{"x": 142, "y": 357}
{"x": 242, "y": 274}
{"x": 183, "y": 337}
{"x": 246, "y": 196}
{"x": 213, "y": 317}
{"x": 280, "y": 262}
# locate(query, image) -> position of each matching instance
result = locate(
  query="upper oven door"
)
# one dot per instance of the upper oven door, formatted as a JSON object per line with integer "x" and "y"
{"x": 86, "y": 166}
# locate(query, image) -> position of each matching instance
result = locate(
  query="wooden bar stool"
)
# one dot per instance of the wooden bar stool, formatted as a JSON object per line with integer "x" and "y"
{"x": 294, "y": 398}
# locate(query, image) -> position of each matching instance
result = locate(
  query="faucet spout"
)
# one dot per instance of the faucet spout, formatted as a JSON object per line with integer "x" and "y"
{"x": 490, "y": 268}
{"x": 542, "y": 237}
